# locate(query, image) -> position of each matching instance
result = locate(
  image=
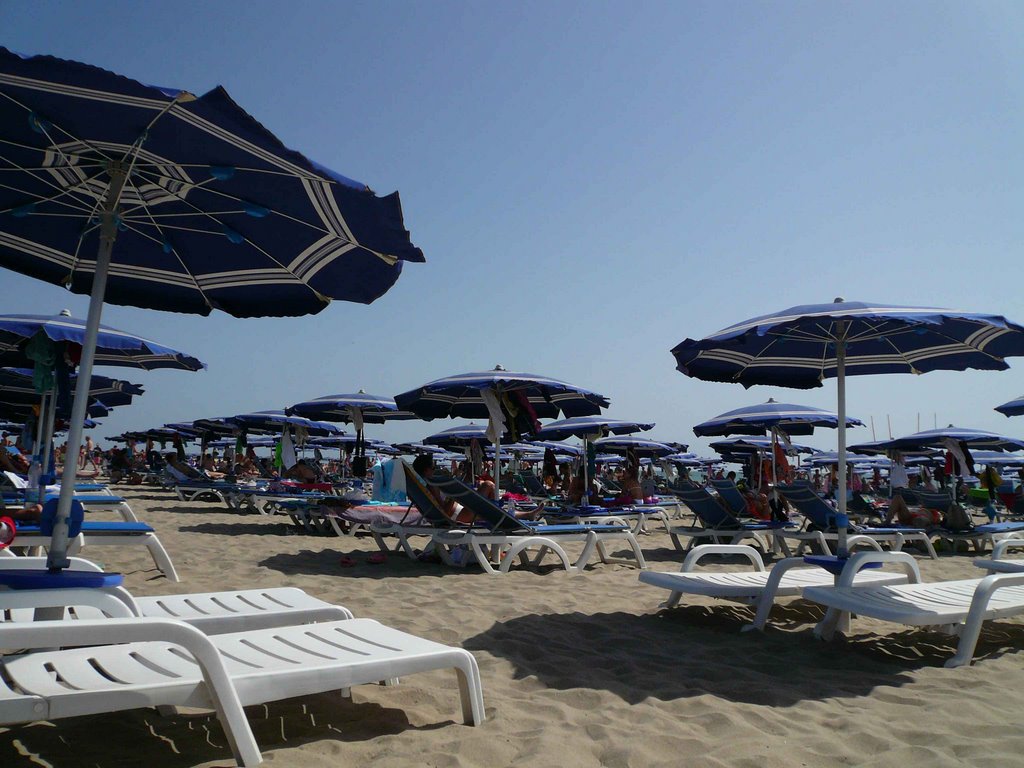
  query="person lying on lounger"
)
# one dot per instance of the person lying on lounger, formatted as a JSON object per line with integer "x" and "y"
{"x": 301, "y": 471}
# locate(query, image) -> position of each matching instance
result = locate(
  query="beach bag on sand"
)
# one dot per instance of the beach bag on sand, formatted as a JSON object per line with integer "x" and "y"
{"x": 957, "y": 519}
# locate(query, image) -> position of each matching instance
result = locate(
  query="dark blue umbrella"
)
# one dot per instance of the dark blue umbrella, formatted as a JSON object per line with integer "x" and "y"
{"x": 757, "y": 419}
{"x": 801, "y": 346}
{"x": 113, "y": 347}
{"x": 459, "y": 437}
{"x": 938, "y": 438}
{"x": 1013, "y": 408}
{"x": 560, "y": 449}
{"x": 275, "y": 421}
{"x": 590, "y": 426}
{"x": 418, "y": 448}
{"x": 484, "y": 394}
{"x": 753, "y": 444}
{"x": 210, "y": 210}
{"x": 351, "y": 409}
{"x": 638, "y": 445}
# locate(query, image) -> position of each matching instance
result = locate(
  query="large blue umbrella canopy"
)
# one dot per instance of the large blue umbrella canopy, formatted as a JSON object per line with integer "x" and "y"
{"x": 214, "y": 212}
{"x": 113, "y": 347}
{"x": 16, "y": 387}
{"x": 413, "y": 449}
{"x": 210, "y": 210}
{"x": 640, "y": 446}
{"x": 756, "y": 419}
{"x": 936, "y": 438}
{"x": 560, "y": 449}
{"x": 374, "y": 409}
{"x": 803, "y": 345}
{"x": 588, "y": 426}
{"x": 1014, "y": 407}
{"x": 460, "y": 396}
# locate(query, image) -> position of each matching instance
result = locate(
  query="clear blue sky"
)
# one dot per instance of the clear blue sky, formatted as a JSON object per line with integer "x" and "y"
{"x": 593, "y": 182}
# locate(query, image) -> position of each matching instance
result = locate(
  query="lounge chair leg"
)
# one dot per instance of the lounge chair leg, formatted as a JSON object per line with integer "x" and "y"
{"x": 471, "y": 692}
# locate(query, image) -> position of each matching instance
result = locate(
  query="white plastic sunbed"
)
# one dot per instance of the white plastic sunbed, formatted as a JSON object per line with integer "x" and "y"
{"x": 758, "y": 587}
{"x": 211, "y": 612}
{"x": 958, "y": 607}
{"x": 998, "y": 562}
{"x": 140, "y": 662}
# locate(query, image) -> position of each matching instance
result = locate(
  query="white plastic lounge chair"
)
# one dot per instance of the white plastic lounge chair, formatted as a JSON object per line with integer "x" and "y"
{"x": 105, "y": 534}
{"x": 508, "y": 538}
{"x": 758, "y": 587}
{"x": 958, "y": 607}
{"x": 998, "y": 562}
{"x": 718, "y": 526}
{"x": 140, "y": 662}
{"x": 211, "y": 612}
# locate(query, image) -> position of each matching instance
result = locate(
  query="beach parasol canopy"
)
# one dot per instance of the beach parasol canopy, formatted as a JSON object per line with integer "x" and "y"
{"x": 590, "y": 426}
{"x": 210, "y": 210}
{"x": 113, "y": 347}
{"x": 758, "y": 419}
{"x": 1014, "y": 407}
{"x": 641, "y": 447}
{"x": 802, "y": 346}
{"x": 356, "y": 409}
{"x": 273, "y": 422}
{"x": 486, "y": 394}
{"x": 941, "y": 437}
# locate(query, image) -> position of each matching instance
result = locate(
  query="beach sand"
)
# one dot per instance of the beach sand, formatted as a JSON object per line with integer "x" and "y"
{"x": 578, "y": 670}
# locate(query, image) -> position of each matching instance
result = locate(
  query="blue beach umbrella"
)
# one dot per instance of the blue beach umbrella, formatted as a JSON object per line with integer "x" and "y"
{"x": 113, "y": 347}
{"x": 276, "y": 421}
{"x": 590, "y": 426}
{"x": 801, "y": 346}
{"x": 458, "y": 437}
{"x": 208, "y": 208}
{"x": 753, "y": 444}
{"x": 758, "y": 419}
{"x": 939, "y": 438}
{"x": 483, "y": 395}
{"x": 1013, "y": 408}
{"x": 638, "y": 445}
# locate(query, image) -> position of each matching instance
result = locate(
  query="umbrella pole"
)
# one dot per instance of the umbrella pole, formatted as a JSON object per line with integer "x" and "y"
{"x": 51, "y": 414}
{"x": 586, "y": 471}
{"x": 56, "y": 558}
{"x": 841, "y": 518}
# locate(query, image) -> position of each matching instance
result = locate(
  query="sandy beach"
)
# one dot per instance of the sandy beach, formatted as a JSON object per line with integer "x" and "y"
{"x": 578, "y": 670}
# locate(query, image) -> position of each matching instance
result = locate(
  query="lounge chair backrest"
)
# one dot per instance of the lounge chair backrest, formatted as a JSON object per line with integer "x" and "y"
{"x": 809, "y": 504}
{"x": 939, "y": 500}
{"x": 486, "y": 511}
{"x": 534, "y": 485}
{"x": 418, "y": 494}
{"x": 909, "y": 496}
{"x": 705, "y": 506}
{"x": 731, "y": 495}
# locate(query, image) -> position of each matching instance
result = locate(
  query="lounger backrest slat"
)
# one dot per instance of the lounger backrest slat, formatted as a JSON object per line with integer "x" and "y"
{"x": 809, "y": 504}
{"x": 935, "y": 500}
{"x": 705, "y": 507}
{"x": 730, "y": 495}
{"x": 421, "y": 498}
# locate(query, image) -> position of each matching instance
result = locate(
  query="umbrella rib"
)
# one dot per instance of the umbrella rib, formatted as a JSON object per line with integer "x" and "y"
{"x": 175, "y": 252}
{"x": 202, "y": 185}
{"x": 54, "y": 199}
{"x": 47, "y": 182}
{"x": 46, "y": 133}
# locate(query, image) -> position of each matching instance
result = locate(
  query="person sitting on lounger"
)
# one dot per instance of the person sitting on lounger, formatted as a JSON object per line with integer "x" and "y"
{"x": 423, "y": 465}
{"x": 180, "y": 471}
{"x": 301, "y": 471}
{"x": 29, "y": 514}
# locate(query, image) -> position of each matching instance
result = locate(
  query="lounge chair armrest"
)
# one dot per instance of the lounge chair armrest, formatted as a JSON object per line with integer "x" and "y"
{"x": 863, "y": 559}
{"x": 1000, "y": 547}
{"x": 698, "y": 553}
{"x": 976, "y": 615}
{"x": 767, "y": 598}
{"x": 115, "y": 602}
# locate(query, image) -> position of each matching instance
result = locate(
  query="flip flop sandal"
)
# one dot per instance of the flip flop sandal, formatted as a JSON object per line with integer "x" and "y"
{"x": 347, "y": 562}
{"x": 377, "y": 558}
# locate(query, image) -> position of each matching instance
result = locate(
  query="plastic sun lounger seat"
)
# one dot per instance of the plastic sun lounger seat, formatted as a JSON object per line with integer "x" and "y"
{"x": 959, "y": 607}
{"x": 131, "y": 663}
{"x": 979, "y": 535}
{"x": 509, "y": 538}
{"x": 998, "y": 562}
{"x": 758, "y": 587}
{"x": 635, "y": 516}
{"x": 211, "y": 612}
{"x": 818, "y": 512}
{"x": 717, "y": 524}
{"x": 104, "y": 534}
